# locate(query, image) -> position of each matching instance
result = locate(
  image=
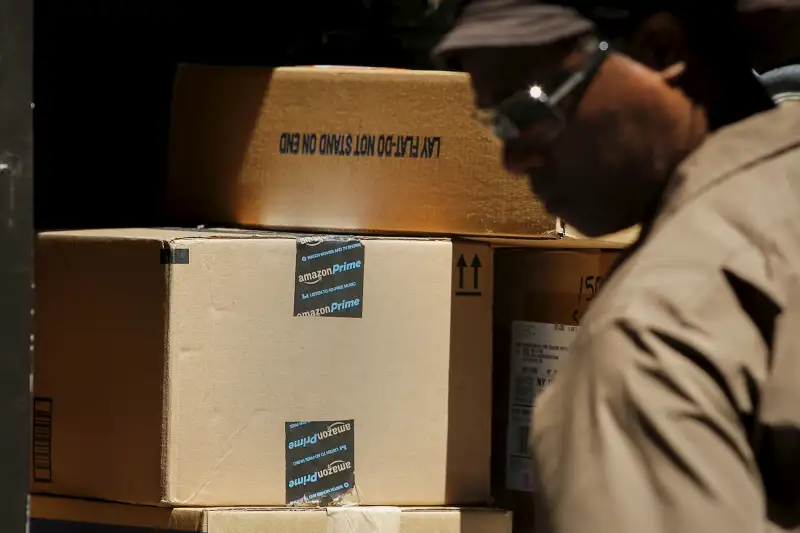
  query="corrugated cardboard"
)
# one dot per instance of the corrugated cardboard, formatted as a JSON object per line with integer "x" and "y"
{"x": 575, "y": 239}
{"x": 307, "y": 148}
{"x": 54, "y": 515}
{"x": 564, "y": 242}
{"x": 547, "y": 286}
{"x": 173, "y": 383}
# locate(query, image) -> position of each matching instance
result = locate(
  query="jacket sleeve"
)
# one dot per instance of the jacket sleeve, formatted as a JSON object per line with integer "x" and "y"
{"x": 646, "y": 433}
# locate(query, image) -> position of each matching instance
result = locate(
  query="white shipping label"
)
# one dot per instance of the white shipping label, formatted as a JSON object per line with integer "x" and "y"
{"x": 536, "y": 349}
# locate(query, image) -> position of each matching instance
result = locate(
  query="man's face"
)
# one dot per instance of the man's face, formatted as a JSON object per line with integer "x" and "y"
{"x": 606, "y": 162}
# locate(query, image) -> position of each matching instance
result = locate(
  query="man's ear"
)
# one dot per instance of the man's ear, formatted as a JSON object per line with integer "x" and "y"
{"x": 672, "y": 74}
{"x": 660, "y": 43}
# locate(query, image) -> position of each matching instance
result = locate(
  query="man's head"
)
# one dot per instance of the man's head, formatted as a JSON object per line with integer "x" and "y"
{"x": 597, "y": 103}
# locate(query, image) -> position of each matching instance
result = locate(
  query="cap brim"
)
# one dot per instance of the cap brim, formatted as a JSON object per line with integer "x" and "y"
{"x": 512, "y": 26}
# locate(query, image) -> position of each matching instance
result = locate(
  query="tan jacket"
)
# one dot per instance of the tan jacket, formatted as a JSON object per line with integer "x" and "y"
{"x": 678, "y": 407}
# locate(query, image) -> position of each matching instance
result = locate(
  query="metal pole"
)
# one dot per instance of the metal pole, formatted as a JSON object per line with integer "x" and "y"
{"x": 16, "y": 261}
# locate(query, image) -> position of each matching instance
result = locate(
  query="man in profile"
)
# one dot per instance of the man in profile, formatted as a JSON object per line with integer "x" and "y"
{"x": 678, "y": 407}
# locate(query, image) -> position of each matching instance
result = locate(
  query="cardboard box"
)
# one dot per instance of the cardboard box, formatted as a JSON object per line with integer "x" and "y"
{"x": 213, "y": 368}
{"x": 540, "y": 297}
{"x": 53, "y": 515}
{"x": 340, "y": 149}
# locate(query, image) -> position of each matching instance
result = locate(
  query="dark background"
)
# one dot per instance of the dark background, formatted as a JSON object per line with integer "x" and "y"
{"x": 104, "y": 70}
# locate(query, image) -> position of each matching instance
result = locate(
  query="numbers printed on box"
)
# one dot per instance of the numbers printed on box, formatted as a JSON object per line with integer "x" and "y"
{"x": 588, "y": 288}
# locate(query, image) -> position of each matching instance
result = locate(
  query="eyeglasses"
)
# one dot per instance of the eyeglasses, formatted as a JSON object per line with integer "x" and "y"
{"x": 534, "y": 111}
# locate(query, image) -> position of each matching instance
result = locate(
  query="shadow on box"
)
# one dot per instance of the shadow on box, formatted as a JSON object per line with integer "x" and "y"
{"x": 103, "y": 84}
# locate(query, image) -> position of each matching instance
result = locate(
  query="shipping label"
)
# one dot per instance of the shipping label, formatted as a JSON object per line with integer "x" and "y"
{"x": 43, "y": 440}
{"x": 536, "y": 351}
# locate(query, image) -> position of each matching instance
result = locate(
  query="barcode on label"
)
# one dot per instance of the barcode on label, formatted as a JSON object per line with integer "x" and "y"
{"x": 537, "y": 349}
{"x": 524, "y": 390}
{"x": 42, "y": 439}
{"x": 523, "y": 433}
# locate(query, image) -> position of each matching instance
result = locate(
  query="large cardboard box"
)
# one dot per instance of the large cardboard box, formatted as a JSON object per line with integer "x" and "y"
{"x": 356, "y": 150}
{"x": 540, "y": 297}
{"x": 54, "y": 515}
{"x": 212, "y": 368}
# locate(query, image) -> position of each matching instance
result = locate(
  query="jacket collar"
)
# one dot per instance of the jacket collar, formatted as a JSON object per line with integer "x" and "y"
{"x": 730, "y": 150}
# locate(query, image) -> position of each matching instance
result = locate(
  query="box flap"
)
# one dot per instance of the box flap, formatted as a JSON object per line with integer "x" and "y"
{"x": 566, "y": 243}
{"x": 362, "y": 520}
{"x": 45, "y": 509}
{"x": 50, "y": 513}
{"x": 174, "y": 234}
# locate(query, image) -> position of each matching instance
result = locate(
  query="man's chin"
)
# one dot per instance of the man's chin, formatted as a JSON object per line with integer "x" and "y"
{"x": 594, "y": 229}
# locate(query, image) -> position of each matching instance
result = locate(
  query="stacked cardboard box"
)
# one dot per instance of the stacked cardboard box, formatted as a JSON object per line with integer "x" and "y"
{"x": 237, "y": 379}
{"x": 342, "y": 150}
{"x": 62, "y": 515}
{"x": 540, "y": 296}
{"x": 179, "y": 367}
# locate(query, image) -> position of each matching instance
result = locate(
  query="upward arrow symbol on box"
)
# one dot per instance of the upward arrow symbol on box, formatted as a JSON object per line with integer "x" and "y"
{"x": 461, "y": 265}
{"x": 476, "y": 265}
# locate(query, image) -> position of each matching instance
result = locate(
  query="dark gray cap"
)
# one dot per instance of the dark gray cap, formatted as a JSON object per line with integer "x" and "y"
{"x": 507, "y": 23}
{"x": 769, "y": 27}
